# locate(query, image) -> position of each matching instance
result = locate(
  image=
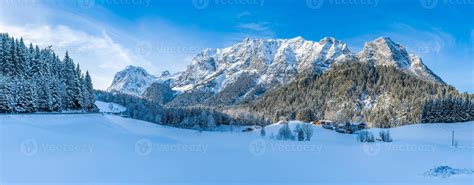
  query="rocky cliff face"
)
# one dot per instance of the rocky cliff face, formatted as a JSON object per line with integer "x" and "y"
{"x": 383, "y": 51}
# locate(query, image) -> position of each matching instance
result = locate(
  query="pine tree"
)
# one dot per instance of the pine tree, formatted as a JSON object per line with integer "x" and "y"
{"x": 6, "y": 100}
{"x": 7, "y": 66}
{"x": 73, "y": 85}
{"x": 22, "y": 65}
{"x": 56, "y": 103}
{"x": 39, "y": 80}
{"x": 30, "y": 96}
{"x": 89, "y": 92}
{"x": 20, "y": 96}
{"x": 3, "y": 63}
{"x": 300, "y": 134}
{"x": 211, "y": 123}
{"x": 14, "y": 58}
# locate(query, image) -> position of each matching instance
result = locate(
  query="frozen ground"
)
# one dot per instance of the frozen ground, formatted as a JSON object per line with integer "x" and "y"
{"x": 107, "y": 149}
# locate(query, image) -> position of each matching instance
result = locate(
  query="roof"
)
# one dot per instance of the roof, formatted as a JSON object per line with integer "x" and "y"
{"x": 326, "y": 121}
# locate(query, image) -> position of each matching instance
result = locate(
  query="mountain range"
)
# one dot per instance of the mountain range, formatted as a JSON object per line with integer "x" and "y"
{"x": 246, "y": 70}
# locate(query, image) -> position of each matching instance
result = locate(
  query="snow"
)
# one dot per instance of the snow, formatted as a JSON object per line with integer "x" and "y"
{"x": 108, "y": 149}
{"x": 107, "y": 107}
{"x": 446, "y": 171}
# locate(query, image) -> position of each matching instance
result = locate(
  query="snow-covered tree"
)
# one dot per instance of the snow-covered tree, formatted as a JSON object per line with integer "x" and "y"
{"x": 73, "y": 85}
{"x": 299, "y": 133}
{"x": 308, "y": 131}
{"x": 284, "y": 133}
{"x": 6, "y": 99}
{"x": 39, "y": 81}
{"x": 211, "y": 123}
{"x": 89, "y": 96}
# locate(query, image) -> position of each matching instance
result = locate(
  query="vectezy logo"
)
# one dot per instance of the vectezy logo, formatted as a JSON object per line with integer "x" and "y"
{"x": 257, "y": 147}
{"x": 429, "y": 4}
{"x": 143, "y": 48}
{"x": 371, "y": 149}
{"x": 29, "y": 147}
{"x": 143, "y": 147}
{"x": 314, "y": 4}
{"x": 85, "y": 3}
{"x": 200, "y": 4}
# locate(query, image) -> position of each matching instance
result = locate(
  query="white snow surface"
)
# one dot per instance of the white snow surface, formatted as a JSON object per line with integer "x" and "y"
{"x": 107, "y": 149}
{"x": 108, "y": 107}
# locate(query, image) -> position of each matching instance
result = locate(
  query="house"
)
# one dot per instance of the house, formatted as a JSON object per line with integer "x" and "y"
{"x": 326, "y": 124}
{"x": 348, "y": 128}
{"x": 248, "y": 129}
{"x": 361, "y": 126}
{"x": 344, "y": 128}
{"x": 321, "y": 122}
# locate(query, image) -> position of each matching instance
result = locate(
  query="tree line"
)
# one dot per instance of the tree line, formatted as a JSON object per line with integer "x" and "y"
{"x": 34, "y": 79}
{"x": 190, "y": 117}
{"x": 453, "y": 108}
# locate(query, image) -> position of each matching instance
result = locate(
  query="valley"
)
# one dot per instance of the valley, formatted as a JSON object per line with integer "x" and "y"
{"x": 108, "y": 149}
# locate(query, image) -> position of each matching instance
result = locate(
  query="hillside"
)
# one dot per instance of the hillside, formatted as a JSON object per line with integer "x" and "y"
{"x": 383, "y": 96}
{"x": 63, "y": 149}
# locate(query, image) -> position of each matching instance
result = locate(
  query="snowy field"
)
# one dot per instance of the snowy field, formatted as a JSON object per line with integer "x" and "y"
{"x": 107, "y": 107}
{"x": 107, "y": 149}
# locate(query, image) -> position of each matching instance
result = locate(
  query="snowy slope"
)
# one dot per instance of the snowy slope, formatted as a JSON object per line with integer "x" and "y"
{"x": 113, "y": 150}
{"x": 109, "y": 107}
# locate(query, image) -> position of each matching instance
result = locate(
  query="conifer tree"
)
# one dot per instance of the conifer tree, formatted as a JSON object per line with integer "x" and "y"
{"x": 5, "y": 96}
{"x": 89, "y": 91}
{"x": 34, "y": 79}
{"x": 73, "y": 84}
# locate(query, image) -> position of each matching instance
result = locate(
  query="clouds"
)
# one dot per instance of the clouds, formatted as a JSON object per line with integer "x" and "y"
{"x": 428, "y": 41}
{"x": 99, "y": 54}
{"x": 243, "y": 14}
{"x": 254, "y": 26}
{"x": 260, "y": 29}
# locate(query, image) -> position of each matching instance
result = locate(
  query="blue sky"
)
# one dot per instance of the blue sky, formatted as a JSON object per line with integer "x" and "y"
{"x": 106, "y": 35}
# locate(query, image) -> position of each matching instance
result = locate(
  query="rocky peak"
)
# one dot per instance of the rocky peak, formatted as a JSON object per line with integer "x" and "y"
{"x": 383, "y": 51}
{"x": 132, "y": 80}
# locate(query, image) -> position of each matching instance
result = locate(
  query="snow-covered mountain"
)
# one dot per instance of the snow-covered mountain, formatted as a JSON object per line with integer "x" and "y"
{"x": 271, "y": 62}
{"x": 135, "y": 80}
{"x": 383, "y": 51}
{"x": 255, "y": 65}
{"x": 132, "y": 80}
{"x": 268, "y": 62}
